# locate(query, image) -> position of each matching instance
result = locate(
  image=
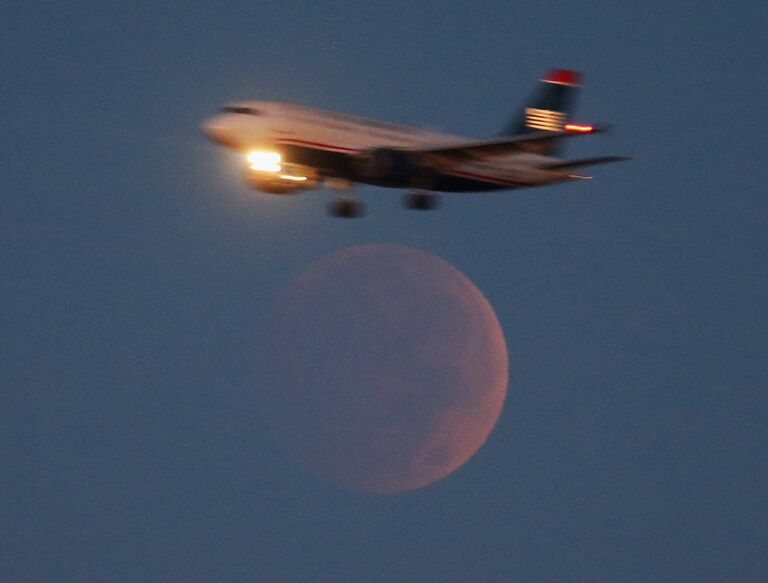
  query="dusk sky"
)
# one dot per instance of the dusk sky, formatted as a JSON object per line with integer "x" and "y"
{"x": 138, "y": 275}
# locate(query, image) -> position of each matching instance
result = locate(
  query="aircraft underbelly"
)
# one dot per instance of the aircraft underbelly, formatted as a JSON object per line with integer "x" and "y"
{"x": 462, "y": 178}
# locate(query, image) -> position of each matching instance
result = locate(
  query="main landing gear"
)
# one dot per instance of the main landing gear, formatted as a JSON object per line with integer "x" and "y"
{"x": 346, "y": 204}
{"x": 421, "y": 200}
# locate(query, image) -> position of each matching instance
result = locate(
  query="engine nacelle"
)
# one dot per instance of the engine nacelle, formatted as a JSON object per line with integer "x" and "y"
{"x": 389, "y": 165}
{"x": 289, "y": 180}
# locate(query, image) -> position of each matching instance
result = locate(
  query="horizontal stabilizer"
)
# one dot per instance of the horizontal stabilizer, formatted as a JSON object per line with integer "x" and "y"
{"x": 563, "y": 164}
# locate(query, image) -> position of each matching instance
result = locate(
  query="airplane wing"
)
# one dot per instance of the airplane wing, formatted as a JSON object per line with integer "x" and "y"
{"x": 500, "y": 146}
{"x": 563, "y": 164}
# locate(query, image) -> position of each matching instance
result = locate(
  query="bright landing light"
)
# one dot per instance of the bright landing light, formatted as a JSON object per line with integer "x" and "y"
{"x": 262, "y": 161}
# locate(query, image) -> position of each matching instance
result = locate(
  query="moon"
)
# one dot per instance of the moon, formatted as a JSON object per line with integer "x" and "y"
{"x": 389, "y": 369}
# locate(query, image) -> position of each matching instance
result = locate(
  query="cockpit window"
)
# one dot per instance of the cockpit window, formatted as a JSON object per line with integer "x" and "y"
{"x": 243, "y": 110}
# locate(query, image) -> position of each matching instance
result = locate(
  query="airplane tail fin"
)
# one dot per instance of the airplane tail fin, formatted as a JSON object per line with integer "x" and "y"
{"x": 548, "y": 109}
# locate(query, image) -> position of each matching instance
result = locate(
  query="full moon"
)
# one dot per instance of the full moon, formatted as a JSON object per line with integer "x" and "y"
{"x": 388, "y": 366}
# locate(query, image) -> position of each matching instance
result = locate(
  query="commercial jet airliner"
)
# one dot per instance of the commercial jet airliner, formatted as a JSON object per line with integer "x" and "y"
{"x": 288, "y": 149}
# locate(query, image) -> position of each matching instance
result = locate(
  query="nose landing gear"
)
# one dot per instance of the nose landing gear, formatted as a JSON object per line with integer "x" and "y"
{"x": 346, "y": 208}
{"x": 346, "y": 204}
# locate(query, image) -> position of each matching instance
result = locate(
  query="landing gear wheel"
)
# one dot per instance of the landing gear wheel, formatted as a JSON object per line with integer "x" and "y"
{"x": 421, "y": 201}
{"x": 346, "y": 208}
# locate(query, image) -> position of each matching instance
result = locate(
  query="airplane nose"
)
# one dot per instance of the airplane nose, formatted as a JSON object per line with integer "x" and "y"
{"x": 216, "y": 129}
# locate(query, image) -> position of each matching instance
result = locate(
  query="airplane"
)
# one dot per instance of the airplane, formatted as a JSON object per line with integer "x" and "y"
{"x": 289, "y": 149}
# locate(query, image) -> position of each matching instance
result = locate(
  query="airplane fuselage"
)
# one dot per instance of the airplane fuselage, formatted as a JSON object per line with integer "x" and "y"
{"x": 290, "y": 149}
{"x": 347, "y": 148}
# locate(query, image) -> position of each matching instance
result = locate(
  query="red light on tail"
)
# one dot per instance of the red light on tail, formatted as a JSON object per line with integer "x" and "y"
{"x": 563, "y": 77}
{"x": 575, "y": 127}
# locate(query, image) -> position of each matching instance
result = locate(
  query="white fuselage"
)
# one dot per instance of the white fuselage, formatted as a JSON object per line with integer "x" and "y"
{"x": 270, "y": 125}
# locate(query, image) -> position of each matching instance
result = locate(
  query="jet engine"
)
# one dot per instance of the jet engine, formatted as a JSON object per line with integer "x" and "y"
{"x": 280, "y": 183}
{"x": 390, "y": 165}
{"x": 267, "y": 172}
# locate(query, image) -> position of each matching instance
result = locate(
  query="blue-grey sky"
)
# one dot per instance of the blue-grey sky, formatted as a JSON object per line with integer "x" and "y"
{"x": 137, "y": 273}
